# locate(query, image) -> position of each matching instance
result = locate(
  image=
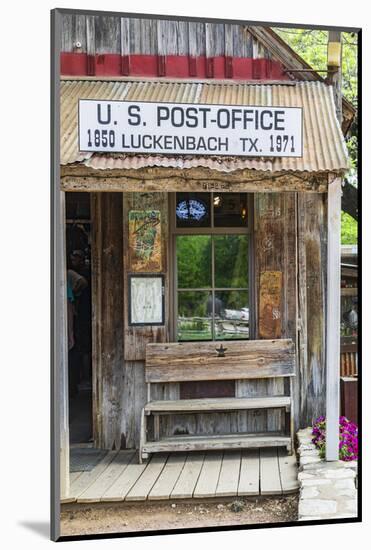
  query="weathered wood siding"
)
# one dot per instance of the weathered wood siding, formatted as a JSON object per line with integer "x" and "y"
{"x": 289, "y": 240}
{"x": 312, "y": 260}
{"x": 275, "y": 265}
{"x": 182, "y": 361}
{"x": 134, "y": 392}
{"x": 107, "y": 301}
{"x": 137, "y": 337}
{"x": 159, "y": 37}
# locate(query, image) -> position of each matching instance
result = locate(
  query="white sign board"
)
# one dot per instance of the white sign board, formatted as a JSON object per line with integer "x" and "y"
{"x": 189, "y": 129}
{"x": 146, "y": 300}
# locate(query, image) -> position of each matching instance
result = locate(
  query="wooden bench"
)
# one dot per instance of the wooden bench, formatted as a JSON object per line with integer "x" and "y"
{"x": 197, "y": 361}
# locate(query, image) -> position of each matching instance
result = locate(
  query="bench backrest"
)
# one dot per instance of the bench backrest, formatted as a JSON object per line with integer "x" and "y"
{"x": 188, "y": 361}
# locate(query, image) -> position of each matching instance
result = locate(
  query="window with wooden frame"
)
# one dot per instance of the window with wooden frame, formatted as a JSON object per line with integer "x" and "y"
{"x": 212, "y": 267}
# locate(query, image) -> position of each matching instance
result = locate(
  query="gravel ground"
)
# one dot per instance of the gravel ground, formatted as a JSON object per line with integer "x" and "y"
{"x": 99, "y": 518}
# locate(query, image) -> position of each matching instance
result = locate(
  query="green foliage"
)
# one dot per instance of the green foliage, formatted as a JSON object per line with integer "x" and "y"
{"x": 311, "y": 45}
{"x": 349, "y": 229}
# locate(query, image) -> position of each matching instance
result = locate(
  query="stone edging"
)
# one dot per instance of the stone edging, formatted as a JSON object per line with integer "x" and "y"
{"x": 327, "y": 489}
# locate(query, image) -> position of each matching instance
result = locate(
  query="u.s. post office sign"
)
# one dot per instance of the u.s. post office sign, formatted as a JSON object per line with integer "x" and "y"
{"x": 189, "y": 129}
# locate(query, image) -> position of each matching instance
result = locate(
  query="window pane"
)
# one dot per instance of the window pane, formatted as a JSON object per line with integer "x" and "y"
{"x": 230, "y": 209}
{"x": 193, "y": 254}
{"x": 231, "y": 261}
{"x": 193, "y": 209}
{"x": 231, "y": 314}
{"x": 194, "y": 323}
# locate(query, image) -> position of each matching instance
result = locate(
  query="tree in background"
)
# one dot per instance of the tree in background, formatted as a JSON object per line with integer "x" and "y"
{"x": 311, "y": 45}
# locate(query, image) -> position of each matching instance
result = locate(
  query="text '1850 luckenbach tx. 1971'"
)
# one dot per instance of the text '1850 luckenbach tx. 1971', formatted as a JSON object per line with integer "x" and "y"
{"x": 196, "y": 129}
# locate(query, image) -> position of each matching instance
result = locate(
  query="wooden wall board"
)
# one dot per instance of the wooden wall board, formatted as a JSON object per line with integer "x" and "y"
{"x": 275, "y": 270}
{"x": 134, "y": 396}
{"x": 174, "y": 362}
{"x": 73, "y": 31}
{"x": 312, "y": 260}
{"x": 278, "y": 213}
{"x": 137, "y": 337}
{"x": 173, "y": 40}
{"x": 107, "y": 34}
{"x": 107, "y": 318}
{"x": 164, "y": 179}
{"x": 270, "y": 304}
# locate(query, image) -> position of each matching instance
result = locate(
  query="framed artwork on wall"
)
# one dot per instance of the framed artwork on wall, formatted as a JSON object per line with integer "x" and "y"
{"x": 145, "y": 240}
{"x": 146, "y": 300}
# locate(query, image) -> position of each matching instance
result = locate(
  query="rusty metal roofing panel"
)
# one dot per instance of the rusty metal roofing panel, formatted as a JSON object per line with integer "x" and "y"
{"x": 323, "y": 143}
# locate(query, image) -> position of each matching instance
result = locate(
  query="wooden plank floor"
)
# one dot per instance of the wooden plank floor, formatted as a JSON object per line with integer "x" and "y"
{"x": 119, "y": 477}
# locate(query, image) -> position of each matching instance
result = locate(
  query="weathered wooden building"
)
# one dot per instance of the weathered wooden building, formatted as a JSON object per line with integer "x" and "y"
{"x": 281, "y": 236}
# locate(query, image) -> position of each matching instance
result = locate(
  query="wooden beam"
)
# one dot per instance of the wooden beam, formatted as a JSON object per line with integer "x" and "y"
{"x": 195, "y": 179}
{"x": 90, "y": 44}
{"x": 334, "y": 75}
{"x": 228, "y": 50}
{"x": 161, "y": 47}
{"x": 210, "y": 48}
{"x": 62, "y": 365}
{"x": 125, "y": 46}
{"x": 186, "y": 361}
{"x": 333, "y": 320}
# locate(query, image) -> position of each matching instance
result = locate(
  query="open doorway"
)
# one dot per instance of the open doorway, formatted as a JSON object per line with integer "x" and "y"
{"x": 78, "y": 251}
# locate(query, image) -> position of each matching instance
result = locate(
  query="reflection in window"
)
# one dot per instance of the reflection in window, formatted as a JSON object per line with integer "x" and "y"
{"x": 212, "y": 287}
{"x": 233, "y": 319}
{"x": 231, "y": 261}
{"x": 212, "y": 266}
{"x": 194, "y": 261}
{"x": 193, "y": 321}
{"x": 230, "y": 209}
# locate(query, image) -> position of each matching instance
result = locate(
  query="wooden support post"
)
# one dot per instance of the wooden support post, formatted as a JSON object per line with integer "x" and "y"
{"x": 334, "y": 58}
{"x": 143, "y": 435}
{"x": 62, "y": 352}
{"x": 333, "y": 274}
{"x": 156, "y": 427}
{"x": 333, "y": 320}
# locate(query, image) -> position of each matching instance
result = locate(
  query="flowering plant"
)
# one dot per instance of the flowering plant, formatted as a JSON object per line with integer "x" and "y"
{"x": 348, "y": 438}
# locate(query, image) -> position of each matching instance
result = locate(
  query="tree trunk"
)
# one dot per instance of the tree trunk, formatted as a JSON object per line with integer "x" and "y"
{"x": 349, "y": 200}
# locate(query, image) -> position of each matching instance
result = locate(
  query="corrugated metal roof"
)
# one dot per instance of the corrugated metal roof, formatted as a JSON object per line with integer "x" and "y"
{"x": 323, "y": 143}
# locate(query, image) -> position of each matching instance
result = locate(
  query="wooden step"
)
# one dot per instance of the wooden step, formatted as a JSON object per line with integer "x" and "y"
{"x": 216, "y": 442}
{"x": 217, "y": 404}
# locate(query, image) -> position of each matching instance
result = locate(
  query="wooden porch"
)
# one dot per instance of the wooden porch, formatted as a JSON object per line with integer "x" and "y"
{"x": 237, "y": 473}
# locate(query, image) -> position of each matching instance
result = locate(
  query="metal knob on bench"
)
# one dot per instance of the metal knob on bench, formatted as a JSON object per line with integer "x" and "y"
{"x": 221, "y": 351}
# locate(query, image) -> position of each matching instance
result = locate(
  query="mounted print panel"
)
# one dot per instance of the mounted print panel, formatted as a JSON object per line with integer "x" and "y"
{"x": 201, "y": 172}
{"x": 145, "y": 241}
{"x": 146, "y": 300}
